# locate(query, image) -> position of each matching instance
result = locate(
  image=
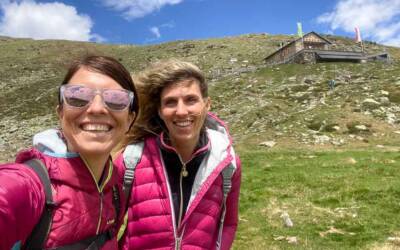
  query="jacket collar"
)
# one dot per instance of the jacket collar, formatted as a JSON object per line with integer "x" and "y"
{"x": 202, "y": 146}
{"x": 50, "y": 147}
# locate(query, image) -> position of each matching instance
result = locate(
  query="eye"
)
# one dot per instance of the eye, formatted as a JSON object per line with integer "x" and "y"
{"x": 169, "y": 102}
{"x": 192, "y": 99}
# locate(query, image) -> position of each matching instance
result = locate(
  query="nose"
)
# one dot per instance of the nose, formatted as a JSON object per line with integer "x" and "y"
{"x": 181, "y": 108}
{"x": 97, "y": 105}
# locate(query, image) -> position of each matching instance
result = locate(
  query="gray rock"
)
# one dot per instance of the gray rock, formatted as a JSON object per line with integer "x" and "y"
{"x": 309, "y": 81}
{"x": 286, "y": 219}
{"x": 383, "y": 93}
{"x": 321, "y": 139}
{"x": 338, "y": 142}
{"x": 268, "y": 144}
{"x": 370, "y": 104}
{"x": 384, "y": 101}
{"x": 361, "y": 127}
{"x": 391, "y": 118}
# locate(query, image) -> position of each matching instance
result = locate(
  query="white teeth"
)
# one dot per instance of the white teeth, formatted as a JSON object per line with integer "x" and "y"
{"x": 183, "y": 123}
{"x": 95, "y": 127}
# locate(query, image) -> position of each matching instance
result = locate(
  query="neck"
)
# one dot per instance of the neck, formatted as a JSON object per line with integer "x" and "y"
{"x": 96, "y": 164}
{"x": 185, "y": 150}
{"x": 185, "y": 153}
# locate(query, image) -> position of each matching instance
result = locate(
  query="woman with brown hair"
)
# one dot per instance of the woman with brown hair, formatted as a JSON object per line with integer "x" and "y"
{"x": 64, "y": 192}
{"x": 185, "y": 173}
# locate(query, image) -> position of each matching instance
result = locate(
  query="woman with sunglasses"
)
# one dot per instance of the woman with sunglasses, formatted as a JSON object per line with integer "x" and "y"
{"x": 186, "y": 176}
{"x": 97, "y": 106}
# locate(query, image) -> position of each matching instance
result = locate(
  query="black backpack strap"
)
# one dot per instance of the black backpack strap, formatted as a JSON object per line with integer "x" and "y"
{"x": 116, "y": 203}
{"x": 40, "y": 232}
{"x": 91, "y": 243}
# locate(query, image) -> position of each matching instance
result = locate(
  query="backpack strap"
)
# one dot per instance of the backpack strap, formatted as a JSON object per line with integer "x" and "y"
{"x": 131, "y": 156}
{"x": 41, "y": 230}
{"x": 91, "y": 243}
{"x": 227, "y": 174}
{"x": 116, "y": 202}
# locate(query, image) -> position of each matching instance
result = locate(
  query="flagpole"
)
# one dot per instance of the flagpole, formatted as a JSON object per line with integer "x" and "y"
{"x": 358, "y": 38}
{"x": 362, "y": 46}
{"x": 300, "y": 33}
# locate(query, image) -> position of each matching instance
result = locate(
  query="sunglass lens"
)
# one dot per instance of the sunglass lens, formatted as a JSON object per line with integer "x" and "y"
{"x": 78, "y": 96}
{"x": 116, "y": 99}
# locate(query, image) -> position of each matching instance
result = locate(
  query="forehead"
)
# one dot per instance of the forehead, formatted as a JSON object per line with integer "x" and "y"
{"x": 92, "y": 79}
{"x": 181, "y": 88}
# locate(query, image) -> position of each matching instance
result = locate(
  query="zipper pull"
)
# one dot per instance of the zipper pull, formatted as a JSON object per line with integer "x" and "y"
{"x": 184, "y": 172}
{"x": 178, "y": 241}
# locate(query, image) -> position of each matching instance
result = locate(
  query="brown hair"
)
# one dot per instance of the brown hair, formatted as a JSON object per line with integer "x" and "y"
{"x": 107, "y": 66}
{"x": 150, "y": 84}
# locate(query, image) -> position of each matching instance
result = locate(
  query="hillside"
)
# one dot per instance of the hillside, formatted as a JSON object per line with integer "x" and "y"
{"x": 290, "y": 106}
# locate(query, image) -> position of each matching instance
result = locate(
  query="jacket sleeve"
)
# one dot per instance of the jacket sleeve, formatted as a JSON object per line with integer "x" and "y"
{"x": 232, "y": 209}
{"x": 21, "y": 203}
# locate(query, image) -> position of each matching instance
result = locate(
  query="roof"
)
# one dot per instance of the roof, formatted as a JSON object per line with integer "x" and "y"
{"x": 312, "y": 32}
{"x": 380, "y": 55}
{"x": 340, "y": 55}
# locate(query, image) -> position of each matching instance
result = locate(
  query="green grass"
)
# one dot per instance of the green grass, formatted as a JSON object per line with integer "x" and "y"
{"x": 356, "y": 193}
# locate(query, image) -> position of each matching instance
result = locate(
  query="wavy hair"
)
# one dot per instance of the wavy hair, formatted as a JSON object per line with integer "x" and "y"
{"x": 149, "y": 84}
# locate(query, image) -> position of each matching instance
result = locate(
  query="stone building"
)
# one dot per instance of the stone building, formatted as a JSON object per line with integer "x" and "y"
{"x": 313, "y": 48}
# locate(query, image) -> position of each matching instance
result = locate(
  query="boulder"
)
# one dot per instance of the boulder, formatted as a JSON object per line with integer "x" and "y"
{"x": 268, "y": 144}
{"x": 370, "y": 104}
{"x": 321, "y": 139}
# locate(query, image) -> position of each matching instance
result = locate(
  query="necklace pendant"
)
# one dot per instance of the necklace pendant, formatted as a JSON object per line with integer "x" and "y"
{"x": 185, "y": 173}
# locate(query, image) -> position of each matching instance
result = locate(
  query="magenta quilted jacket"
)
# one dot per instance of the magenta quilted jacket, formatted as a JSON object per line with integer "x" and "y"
{"x": 83, "y": 208}
{"x": 151, "y": 223}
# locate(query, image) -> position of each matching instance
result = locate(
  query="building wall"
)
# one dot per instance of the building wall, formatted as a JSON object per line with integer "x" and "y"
{"x": 283, "y": 54}
{"x": 310, "y": 41}
{"x": 312, "y": 38}
{"x": 304, "y": 57}
{"x": 319, "y": 46}
{"x": 299, "y": 45}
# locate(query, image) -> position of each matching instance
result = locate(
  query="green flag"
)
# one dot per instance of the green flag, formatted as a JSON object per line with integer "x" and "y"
{"x": 299, "y": 30}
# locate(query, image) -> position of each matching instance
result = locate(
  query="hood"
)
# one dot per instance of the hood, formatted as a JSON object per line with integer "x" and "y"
{"x": 50, "y": 142}
{"x": 216, "y": 127}
{"x": 220, "y": 156}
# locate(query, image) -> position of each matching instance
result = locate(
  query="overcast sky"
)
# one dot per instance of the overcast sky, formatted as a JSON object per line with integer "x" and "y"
{"x": 158, "y": 21}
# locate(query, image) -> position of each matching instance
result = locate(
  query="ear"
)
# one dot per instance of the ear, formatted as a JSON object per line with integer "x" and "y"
{"x": 159, "y": 113}
{"x": 59, "y": 111}
{"x": 131, "y": 118}
{"x": 208, "y": 103}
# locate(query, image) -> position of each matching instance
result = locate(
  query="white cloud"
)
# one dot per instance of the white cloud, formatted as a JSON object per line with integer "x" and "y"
{"x": 155, "y": 31}
{"x": 138, "y": 8}
{"x": 55, "y": 20}
{"x": 378, "y": 20}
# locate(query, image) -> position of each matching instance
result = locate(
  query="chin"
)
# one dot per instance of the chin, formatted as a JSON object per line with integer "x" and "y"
{"x": 95, "y": 149}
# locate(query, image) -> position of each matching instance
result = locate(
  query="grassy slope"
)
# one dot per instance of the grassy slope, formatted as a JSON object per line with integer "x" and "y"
{"x": 259, "y": 106}
{"x": 356, "y": 193}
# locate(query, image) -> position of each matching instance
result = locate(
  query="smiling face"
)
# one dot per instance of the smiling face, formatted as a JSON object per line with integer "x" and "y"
{"x": 94, "y": 130}
{"x": 183, "y": 110}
